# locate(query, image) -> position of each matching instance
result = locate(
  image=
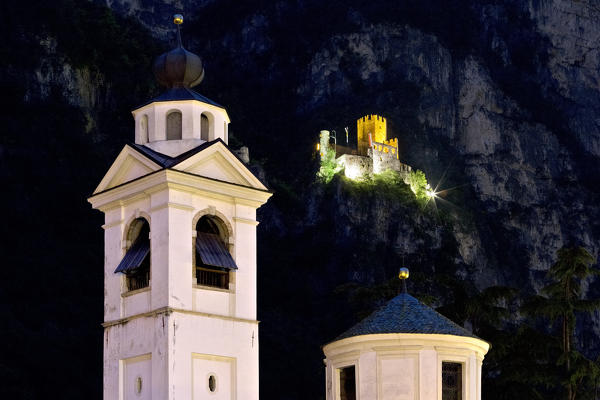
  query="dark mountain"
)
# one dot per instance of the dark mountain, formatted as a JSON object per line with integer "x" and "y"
{"x": 498, "y": 100}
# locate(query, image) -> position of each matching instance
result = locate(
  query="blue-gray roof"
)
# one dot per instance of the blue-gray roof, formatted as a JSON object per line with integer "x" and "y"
{"x": 167, "y": 162}
{"x": 405, "y": 314}
{"x": 181, "y": 93}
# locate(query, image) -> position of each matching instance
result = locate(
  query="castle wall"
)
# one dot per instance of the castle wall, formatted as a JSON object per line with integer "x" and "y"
{"x": 355, "y": 167}
{"x": 386, "y": 157}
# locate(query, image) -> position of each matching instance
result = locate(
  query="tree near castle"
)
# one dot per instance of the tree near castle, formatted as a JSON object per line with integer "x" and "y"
{"x": 560, "y": 304}
{"x": 418, "y": 184}
{"x": 329, "y": 166}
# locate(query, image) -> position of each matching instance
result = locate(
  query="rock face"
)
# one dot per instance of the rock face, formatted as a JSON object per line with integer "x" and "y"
{"x": 155, "y": 15}
{"x": 572, "y": 30}
{"x": 527, "y": 186}
{"x": 498, "y": 100}
{"x": 80, "y": 87}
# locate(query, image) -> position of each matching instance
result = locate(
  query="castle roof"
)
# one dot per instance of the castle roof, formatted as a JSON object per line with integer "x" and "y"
{"x": 405, "y": 314}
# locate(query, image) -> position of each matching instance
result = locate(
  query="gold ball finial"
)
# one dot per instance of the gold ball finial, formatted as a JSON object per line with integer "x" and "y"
{"x": 403, "y": 274}
{"x": 178, "y": 19}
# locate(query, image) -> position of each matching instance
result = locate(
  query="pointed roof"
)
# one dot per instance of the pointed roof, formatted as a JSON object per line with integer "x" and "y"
{"x": 405, "y": 314}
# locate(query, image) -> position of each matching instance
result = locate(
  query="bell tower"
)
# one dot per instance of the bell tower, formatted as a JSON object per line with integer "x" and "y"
{"x": 180, "y": 250}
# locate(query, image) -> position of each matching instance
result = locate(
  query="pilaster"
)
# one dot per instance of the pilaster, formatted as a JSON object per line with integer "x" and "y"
{"x": 428, "y": 374}
{"x": 367, "y": 365}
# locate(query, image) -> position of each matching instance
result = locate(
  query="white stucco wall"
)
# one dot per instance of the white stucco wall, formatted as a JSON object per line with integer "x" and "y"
{"x": 174, "y": 333}
{"x": 136, "y": 377}
{"x": 155, "y": 130}
{"x": 404, "y": 366}
{"x": 180, "y": 350}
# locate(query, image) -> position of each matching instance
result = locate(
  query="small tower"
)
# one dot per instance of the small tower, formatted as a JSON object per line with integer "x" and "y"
{"x": 404, "y": 351}
{"x": 374, "y": 125}
{"x": 180, "y": 250}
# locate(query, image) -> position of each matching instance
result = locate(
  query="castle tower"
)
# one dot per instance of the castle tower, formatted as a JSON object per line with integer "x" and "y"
{"x": 405, "y": 351}
{"x": 180, "y": 250}
{"x": 370, "y": 124}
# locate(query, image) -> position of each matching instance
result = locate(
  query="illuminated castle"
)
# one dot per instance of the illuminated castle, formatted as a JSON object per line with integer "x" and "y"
{"x": 374, "y": 153}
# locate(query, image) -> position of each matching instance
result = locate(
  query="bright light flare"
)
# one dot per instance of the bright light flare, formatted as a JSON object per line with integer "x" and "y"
{"x": 431, "y": 193}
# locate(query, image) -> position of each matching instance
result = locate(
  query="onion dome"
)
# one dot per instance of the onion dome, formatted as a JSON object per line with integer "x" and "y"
{"x": 178, "y": 68}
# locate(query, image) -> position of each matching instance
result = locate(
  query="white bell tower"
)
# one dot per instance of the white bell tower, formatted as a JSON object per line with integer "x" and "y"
{"x": 180, "y": 250}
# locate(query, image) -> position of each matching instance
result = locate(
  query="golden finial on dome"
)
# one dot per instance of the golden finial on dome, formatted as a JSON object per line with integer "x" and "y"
{"x": 403, "y": 274}
{"x": 178, "y": 19}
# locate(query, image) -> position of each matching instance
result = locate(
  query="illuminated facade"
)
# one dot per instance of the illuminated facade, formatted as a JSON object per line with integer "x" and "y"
{"x": 374, "y": 152}
{"x": 374, "y": 126}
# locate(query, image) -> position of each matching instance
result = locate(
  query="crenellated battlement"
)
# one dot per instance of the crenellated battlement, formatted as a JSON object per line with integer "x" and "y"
{"x": 370, "y": 128}
{"x": 371, "y": 117}
{"x": 388, "y": 147}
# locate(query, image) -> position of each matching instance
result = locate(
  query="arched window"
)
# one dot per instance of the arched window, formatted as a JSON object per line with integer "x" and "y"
{"x": 174, "y": 125}
{"x": 213, "y": 260}
{"x": 136, "y": 262}
{"x": 204, "y": 127}
{"x": 144, "y": 129}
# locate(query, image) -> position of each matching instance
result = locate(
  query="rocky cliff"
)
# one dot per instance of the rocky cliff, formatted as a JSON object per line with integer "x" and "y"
{"x": 497, "y": 101}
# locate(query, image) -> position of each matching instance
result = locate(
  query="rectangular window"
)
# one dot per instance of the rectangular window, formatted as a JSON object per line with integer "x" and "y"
{"x": 347, "y": 383}
{"x": 451, "y": 381}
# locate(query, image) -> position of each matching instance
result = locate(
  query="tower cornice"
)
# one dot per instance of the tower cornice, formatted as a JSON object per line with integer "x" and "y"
{"x": 171, "y": 310}
{"x": 178, "y": 180}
